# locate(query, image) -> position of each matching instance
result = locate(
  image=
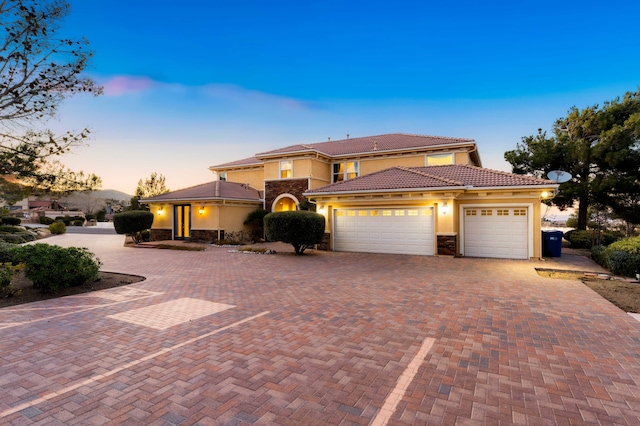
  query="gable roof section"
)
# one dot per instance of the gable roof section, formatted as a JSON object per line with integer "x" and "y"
{"x": 216, "y": 190}
{"x": 369, "y": 144}
{"x": 433, "y": 178}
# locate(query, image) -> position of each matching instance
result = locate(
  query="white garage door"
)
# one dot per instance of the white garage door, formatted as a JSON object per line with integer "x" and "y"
{"x": 496, "y": 232}
{"x": 402, "y": 231}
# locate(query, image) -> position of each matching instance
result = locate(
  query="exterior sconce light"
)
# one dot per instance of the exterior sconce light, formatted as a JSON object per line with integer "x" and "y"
{"x": 201, "y": 211}
{"x": 445, "y": 208}
{"x": 160, "y": 211}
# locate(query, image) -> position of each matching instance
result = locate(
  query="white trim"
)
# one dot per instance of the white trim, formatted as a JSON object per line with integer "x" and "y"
{"x": 529, "y": 207}
{"x": 281, "y": 196}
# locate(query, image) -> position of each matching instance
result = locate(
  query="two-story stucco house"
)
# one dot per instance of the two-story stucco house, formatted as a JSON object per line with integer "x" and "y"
{"x": 395, "y": 193}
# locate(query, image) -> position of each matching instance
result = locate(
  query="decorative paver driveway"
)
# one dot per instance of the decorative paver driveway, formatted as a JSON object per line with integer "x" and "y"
{"x": 328, "y": 338}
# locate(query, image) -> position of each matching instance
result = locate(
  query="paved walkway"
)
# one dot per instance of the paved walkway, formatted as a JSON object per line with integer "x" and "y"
{"x": 219, "y": 338}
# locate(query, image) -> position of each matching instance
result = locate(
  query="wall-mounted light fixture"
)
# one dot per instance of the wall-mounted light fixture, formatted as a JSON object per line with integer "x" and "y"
{"x": 201, "y": 211}
{"x": 444, "y": 208}
{"x": 160, "y": 211}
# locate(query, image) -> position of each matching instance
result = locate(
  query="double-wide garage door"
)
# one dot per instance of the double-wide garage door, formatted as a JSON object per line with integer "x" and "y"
{"x": 402, "y": 231}
{"x": 496, "y": 232}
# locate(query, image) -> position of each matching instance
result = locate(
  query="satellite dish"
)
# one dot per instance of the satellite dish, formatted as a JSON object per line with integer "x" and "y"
{"x": 559, "y": 176}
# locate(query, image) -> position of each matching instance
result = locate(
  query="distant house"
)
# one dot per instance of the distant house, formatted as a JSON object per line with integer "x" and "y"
{"x": 395, "y": 193}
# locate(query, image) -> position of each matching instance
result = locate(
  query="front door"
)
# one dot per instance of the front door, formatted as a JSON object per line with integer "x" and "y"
{"x": 182, "y": 222}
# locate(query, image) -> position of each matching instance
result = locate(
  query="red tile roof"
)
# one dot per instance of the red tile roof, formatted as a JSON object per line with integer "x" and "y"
{"x": 216, "y": 190}
{"x": 369, "y": 144}
{"x": 244, "y": 162}
{"x": 434, "y": 177}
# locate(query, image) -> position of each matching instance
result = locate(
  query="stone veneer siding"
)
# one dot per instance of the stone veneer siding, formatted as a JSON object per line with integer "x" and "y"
{"x": 447, "y": 245}
{"x": 160, "y": 234}
{"x": 273, "y": 189}
{"x": 206, "y": 235}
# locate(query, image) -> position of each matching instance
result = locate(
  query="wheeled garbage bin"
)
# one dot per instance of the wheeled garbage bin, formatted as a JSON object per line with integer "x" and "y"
{"x": 552, "y": 243}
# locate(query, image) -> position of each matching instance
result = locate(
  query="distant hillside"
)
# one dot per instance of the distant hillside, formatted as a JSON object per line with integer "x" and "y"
{"x": 112, "y": 194}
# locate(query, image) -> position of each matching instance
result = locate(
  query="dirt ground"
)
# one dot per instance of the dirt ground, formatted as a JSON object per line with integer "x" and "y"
{"x": 26, "y": 292}
{"x": 624, "y": 294}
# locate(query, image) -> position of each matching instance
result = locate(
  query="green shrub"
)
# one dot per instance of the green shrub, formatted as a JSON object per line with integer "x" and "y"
{"x": 599, "y": 254}
{"x": 52, "y": 268}
{"x": 12, "y": 238}
{"x": 57, "y": 228}
{"x": 44, "y": 220}
{"x": 630, "y": 245}
{"x": 132, "y": 223}
{"x": 301, "y": 229}
{"x": 580, "y": 239}
{"x": 78, "y": 222}
{"x": 255, "y": 223}
{"x": 90, "y": 216}
{"x": 621, "y": 257}
{"x": 65, "y": 219}
{"x": 101, "y": 216}
{"x": 10, "y": 220}
{"x": 6, "y": 252}
{"x": 10, "y": 229}
{"x": 624, "y": 263}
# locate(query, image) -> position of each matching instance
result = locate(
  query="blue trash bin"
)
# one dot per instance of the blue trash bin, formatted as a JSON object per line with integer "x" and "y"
{"x": 552, "y": 243}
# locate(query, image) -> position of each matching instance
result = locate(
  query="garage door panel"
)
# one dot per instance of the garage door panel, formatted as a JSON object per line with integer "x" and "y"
{"x": 500, "y": 232}
{"x": 404, "y": 231}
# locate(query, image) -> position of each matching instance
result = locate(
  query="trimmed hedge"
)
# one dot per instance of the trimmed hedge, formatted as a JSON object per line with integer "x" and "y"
{"x": 10, "y": 220}
{"x": 133, "y": 223}
{"x": 621, "y": 257}
{"x": 301, "y": 229}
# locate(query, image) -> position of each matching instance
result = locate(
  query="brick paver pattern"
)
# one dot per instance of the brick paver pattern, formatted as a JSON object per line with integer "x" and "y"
{"x": 219, "y": 338}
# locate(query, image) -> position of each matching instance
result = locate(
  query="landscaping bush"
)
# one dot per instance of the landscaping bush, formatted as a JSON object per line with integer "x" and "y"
{"x": 301, "y": 229}
{"x": 255, "y": 223}
{"x": 6, "y": 252}
{"x": 52, "y": 268}
{"x": 10, "y": 229}
{"x": 12, "y": 238}
{"x": 589, "y": 238}
{"x": 64, "y": 219}
{"x": 44, "y": 220}
{"x": 101, "y": 216}
{"x": 78, "y": 222}
{"x": 90, "y": 216}
{"x": 132, "y": 223}
{"x": 621, "y": 257}
{"x": 57, "y": 228}
{"x": 10, "y": 220}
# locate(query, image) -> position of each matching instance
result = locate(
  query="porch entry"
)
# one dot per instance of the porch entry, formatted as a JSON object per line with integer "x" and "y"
{"x": 182, "y": 222}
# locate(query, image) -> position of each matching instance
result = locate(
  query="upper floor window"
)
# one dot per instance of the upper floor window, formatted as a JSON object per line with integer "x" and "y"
{"x": 439, "y": 159}
{"x": 222, "y": 176}
{"x": 286, "y": 169}
{"x": 345, "y": 171}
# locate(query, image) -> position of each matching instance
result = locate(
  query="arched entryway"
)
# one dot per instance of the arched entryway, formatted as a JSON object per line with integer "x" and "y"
{"x": 285, "y": 203}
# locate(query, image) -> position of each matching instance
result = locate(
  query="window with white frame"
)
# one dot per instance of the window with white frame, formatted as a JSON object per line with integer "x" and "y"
{"x": 222, "y": 176}
{"x": 286, "y": 169}
{"x": 345, "y": 171}
{"x": 439, "y": 159}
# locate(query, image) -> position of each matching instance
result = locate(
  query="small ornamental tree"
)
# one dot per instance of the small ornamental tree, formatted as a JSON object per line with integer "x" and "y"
{"x": 301, "y": 229}
{"x": 132, "y": 223}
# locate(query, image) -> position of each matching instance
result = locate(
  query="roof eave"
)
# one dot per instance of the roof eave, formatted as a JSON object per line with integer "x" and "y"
{"x": 392, "y": 191}
{"x": 165, "y": 200}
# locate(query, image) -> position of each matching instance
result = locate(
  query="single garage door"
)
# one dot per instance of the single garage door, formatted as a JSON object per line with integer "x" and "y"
{"x": 402, "y": 231}
{"x": 496, "y": 232}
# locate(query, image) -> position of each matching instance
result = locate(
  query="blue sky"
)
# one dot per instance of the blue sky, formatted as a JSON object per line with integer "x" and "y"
{"x": 195, "y": 83}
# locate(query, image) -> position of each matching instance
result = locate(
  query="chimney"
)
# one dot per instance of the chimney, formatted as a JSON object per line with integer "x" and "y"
{"x": 329, "y": 138}
{"x": 375, "y": 145}
{"x": 347, "y": 135}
